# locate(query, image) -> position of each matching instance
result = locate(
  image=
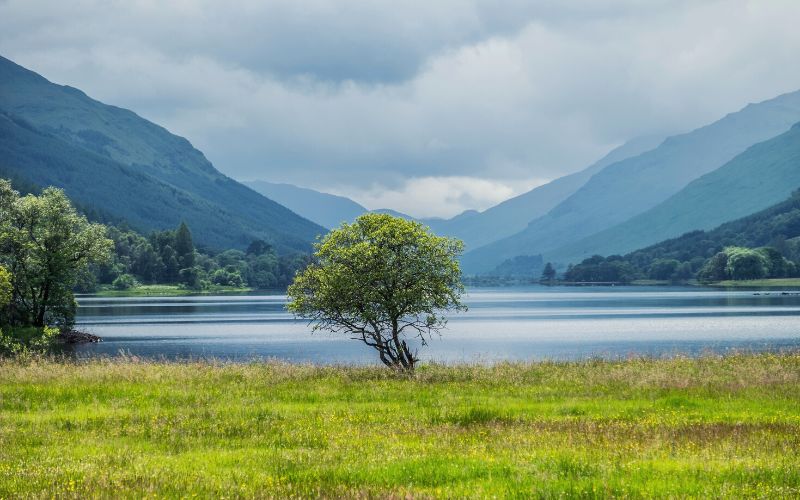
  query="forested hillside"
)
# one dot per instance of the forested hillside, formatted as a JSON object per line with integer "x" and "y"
{"x": 762, "y": 176}
{"x": 132, "y": 169}
{"x": 775, "y": 229}
{"x": 632, "y": 186}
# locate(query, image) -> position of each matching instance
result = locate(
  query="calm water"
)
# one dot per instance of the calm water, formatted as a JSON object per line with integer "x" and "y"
{"x": 506, "y": 323}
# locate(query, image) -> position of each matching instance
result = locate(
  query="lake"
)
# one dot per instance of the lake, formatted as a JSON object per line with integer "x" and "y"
{"x": 520, "y": 323}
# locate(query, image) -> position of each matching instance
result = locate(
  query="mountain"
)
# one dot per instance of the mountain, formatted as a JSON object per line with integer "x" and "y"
{"x": 135, "y": 170}
{"x": 475, "y": 228}
{"x": 777, "y": 226}
{"x": 634, "y": 185}
{"x": 395, "y": 213}
{"x": 325, "y": 209}
{"x": 763, "y": 175}
{"x": 513, "y": 215}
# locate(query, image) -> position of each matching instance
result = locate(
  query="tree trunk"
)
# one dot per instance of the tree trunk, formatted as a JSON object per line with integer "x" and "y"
{"x": 42, "y": 309}
{"x": 403, "y": 354}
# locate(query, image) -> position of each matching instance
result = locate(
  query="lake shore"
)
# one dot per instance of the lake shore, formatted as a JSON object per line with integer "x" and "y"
{"x": 765, "y": 283}
{"x": 168, "y": 291}
{"x": 177, "y": 290}
{"x": 706, "y": 427}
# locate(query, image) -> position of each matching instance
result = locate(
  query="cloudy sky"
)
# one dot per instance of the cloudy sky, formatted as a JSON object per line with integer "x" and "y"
{"x": 428, "y": 107}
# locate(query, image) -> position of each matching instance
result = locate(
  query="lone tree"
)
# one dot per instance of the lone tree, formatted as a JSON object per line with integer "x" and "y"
{"x": 384, "y": 281}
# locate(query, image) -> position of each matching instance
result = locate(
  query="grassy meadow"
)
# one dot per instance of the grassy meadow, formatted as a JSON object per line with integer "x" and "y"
{"x": 765, "y": 283}
{"x": 707, "y": 427}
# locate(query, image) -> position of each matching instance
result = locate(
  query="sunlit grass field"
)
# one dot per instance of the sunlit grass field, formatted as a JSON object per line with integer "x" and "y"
{"x": 708, "y": 427}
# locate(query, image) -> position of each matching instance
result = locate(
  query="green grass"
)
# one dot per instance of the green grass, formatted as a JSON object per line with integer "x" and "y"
{"x": 708, "y": 427}
{"x": 765, "y": 283}
{"x": 168, "y": 290}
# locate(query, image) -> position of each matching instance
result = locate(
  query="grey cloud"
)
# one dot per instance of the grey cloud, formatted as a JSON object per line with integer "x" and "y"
{"x": 358, "y": 96}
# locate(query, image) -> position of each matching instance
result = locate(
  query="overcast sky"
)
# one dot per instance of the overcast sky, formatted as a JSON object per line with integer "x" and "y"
{"x": 428, "y": 107}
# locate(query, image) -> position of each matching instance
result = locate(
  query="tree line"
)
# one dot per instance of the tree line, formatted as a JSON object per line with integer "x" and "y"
{"x": 171, "y": 257}
{"x": 49, "y": 250}
{"x": 763, "y": 245}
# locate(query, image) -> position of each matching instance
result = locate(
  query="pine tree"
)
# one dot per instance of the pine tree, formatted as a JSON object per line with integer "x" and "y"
{"x": 184, "y": 246}
{"x": 549, "y": 273}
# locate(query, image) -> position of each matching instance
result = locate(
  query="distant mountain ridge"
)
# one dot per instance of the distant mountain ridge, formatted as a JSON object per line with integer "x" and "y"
{"x": 327, "y": 210}
{"x": 473, "y": 227}
{"x": 135, "y": 169}
{"x": 632, "y": 186}
{"x": 513, "y": 215}
{"x": 763, "y": 175}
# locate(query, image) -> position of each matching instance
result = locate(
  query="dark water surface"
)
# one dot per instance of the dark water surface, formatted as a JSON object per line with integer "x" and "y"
{"x": 502, "y": 324}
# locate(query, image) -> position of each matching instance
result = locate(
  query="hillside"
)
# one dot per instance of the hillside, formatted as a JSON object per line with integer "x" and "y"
{"x": 133, "y": 169}
{"x": 513, "y": 215}
{"x": 634, "y": 185}
{"x": 473, "y": 227}
{"x": 762, "y": 176}
{"x": 325, "y": 209}
{"x": 777, "y": 226}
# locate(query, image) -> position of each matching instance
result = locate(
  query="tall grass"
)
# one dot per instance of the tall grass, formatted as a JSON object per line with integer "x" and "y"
{"x": 707, "y": 427}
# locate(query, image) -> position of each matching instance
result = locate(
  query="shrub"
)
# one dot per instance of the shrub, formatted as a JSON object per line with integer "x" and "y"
{"x": 26, "y": 342}
{"x": 124, "y": 282}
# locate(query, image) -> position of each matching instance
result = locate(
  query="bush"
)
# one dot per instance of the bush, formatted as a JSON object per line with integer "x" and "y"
{"x": 715, "y": 269}
{"x": 124, "y": 282}
{"x": 227, "y": 277}
{"x": 26, "y": 342}
{"x": 190, "y": 277}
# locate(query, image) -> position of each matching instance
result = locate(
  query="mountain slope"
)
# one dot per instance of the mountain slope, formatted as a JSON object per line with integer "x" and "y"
{"x": 57, "y": 135}
{"x": 777, "y": 226}
{"x": 325, "y": 209}
{"x": 632, "y": 186}
{"x": 763, "y": 175}
{"x": 513, "y": 215}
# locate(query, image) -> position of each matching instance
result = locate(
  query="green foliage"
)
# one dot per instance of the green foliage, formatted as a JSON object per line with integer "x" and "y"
{"x": 714, "y": 427}
{"x": 47, "y": 246}
{"x": 227, "y": 276}
{"x": 156, "y": 260}
{"x": 23, "y": 343}
{"x": 715, "y": 269}
{"x": 776, "y": 265}
{"x": 740, "y": 263}
{"x": 383, "y": 280}
{"x": 6, "y": 289}
{"x": 745, "y": 264}
{"x": 124, "y": 282}
{"x": 765, "y": 244}
{"x": 184, "y": 246}
{"x": 664, "y": 269}
{"x": 598, "y": 269}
